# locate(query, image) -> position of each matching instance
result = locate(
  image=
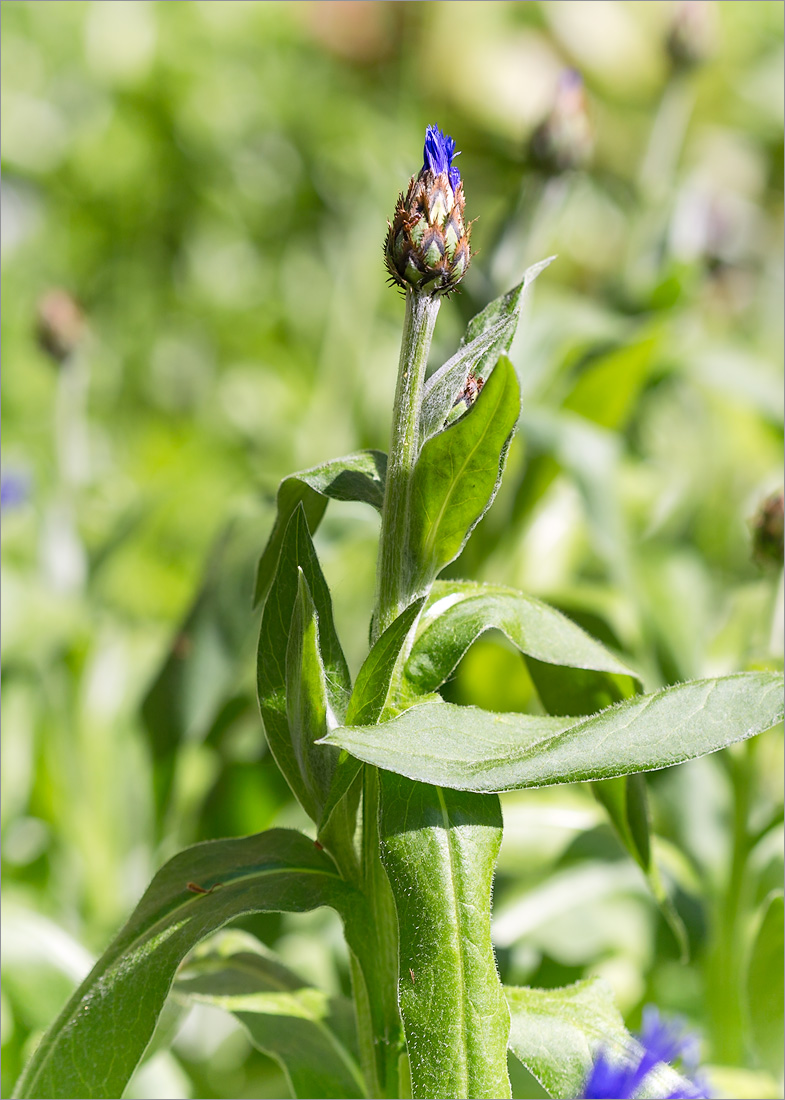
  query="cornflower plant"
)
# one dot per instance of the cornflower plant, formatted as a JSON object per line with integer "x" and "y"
{"x": 401, "y": 785}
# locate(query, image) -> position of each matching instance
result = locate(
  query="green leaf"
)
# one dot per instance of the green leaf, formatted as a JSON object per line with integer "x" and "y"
{"x": 488, "y": 335}
{"x": 100, "y": 1036}
{"x": 626, "y": 802}
{"x": 355, "y": 477}
{"x": 311, "y": 1035}
{"x": 291, "y": 609}
{"x": 558, "y": 1033}
{"x": 471, "y": 749}
{"x": 457, "y": 474}
{"x": 764, "y": 985}
{"x": 607, "y": 388}
{"x": 306, "y": 703}
{"x": 206, "y": 658}
{"x": 439, "y": 849}
{"x": 369, "y": 697}
{"x": 375, "y": 678}
{"x": 459, "y": 612}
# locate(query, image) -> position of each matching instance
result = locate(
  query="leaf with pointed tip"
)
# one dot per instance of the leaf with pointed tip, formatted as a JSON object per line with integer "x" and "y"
{"x": 93, "y": 1047}
{"x": 488, "y": 335}
{"x": 306, "y": 703}
{"x": 458, "y": 612}
{"x": 439, "y": 849}
{"x": 371, "y": 692}
{"x": 558, "y": 1033}
{"x": 312, "y": 1036}
{"x": 375, "y": 679}
{"x": 474, "y": 750}
{"x": 355, "y": 477}
{"x": 290, "y": 610}
{"x": 457, "y": 474}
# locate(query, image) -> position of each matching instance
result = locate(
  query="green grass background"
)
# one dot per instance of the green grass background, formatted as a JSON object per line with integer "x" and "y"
{"x": 212, "y": 182}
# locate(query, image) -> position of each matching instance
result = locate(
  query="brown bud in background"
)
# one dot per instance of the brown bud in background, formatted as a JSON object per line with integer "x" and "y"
{"x": 767, "y": 531}
{"x": 60, "y": 324}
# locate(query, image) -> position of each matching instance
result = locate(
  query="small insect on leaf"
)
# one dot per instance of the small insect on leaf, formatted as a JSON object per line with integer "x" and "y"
{"x": 471, "y": 390}
{"x": 411, "y": 975}
{"x": 195, "y": 888}
{"x": 316, "y": 844}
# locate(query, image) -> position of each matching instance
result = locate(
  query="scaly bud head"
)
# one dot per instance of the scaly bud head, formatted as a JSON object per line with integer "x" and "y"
{"x": 427, "y": 245}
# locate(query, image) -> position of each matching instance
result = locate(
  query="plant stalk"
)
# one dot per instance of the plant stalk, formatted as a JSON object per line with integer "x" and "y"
{"x": 392, "y": 576}
{"x": 383, "y": 1052}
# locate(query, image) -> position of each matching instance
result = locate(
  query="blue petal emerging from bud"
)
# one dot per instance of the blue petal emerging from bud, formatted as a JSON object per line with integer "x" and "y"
{"x": 438, "y": 155}
{"x": 660, "y": 1043}
{"x": 427, "y": 246}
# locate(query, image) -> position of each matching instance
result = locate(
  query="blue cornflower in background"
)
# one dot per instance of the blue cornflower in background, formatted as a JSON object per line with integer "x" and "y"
{"x": 438, "y": 155}
{"x": 14, "y": 489}
{"x": 661, "y": 1043}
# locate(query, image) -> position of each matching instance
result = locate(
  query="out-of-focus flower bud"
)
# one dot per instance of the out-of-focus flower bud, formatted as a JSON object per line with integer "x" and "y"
{"x": 767, "y": 531}
{"x": 564, "y": 141}
{"x": 427, "y": 244}
{"x": 60, "y": 324}
{"x": 691, "y": 33}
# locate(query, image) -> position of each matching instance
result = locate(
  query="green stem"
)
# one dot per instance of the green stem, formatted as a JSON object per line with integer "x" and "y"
{"x": 726, "y": 959}
{"x": 392, "y": 577}
{"x": 379, "y": 1024}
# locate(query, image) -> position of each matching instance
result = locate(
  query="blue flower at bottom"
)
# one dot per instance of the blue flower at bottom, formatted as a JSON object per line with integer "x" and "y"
{"x": 661, "y": 1042}
{"x": 438, "y": 155}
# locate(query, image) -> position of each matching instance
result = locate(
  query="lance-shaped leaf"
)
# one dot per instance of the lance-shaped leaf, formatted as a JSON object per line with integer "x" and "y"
{"x": 375, "y": 680}
{"x": 474, "y": 750}
{"x": 93, "y": 1047}
{"x": 457, "y": 475}
{"x": 358, "y": 476}
{"x": 558, "y": 1033}
{"x": 312, "y": 1036}
{"x": 291, "y": 643}
{"x": 306, "y": 703}
{"x": 370, "y": 695}
{"x": 439, "y": 849}
{"x": 458, "y": 612}
{"x": 488, "y": 335}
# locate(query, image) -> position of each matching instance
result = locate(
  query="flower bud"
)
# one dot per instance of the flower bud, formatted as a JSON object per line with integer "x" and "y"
{"x": 563, "y": 141}
{"x": 60, "y": 324}
{"x": 427, "y": 245}
{"x": 692, "y": 33}
{"x": 767, "y": 531}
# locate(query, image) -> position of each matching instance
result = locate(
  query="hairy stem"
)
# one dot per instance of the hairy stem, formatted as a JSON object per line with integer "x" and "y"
{"x": 392, "y": 597}
{"x": 393, "y": 574}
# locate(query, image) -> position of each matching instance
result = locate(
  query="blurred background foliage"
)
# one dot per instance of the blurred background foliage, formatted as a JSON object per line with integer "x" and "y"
{"x": 210, "y": 183}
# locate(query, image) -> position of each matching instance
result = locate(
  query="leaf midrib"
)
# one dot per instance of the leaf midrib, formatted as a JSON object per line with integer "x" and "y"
{"x": 434, "y": 531}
